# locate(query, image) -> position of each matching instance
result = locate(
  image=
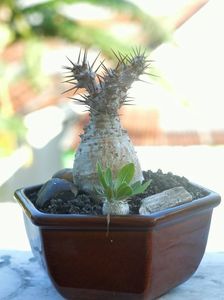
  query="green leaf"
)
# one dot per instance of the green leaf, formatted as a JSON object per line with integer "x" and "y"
{"x": 98, "y": 190}
{"x": 135, "y": 186}
{"x": 123, "y": 191}
{"x": 108, "y": 177}
{"x": 146, "y": 184}
{"x": 101, "y": 176}
{"x": 139, "y": 188}
{"x": 108, "y": 193}
{"x": 120, "y": 189}
{"x": 125, "y": 174}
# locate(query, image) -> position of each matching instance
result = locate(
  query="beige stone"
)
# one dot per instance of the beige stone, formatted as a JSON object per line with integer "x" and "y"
{"x": 167, "y": 199}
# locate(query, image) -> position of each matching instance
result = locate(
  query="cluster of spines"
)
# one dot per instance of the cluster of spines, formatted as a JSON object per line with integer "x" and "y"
{"x": 111, "y": 84}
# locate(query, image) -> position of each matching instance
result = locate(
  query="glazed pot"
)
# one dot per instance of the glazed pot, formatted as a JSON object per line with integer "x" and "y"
{"x": 142, "y": 257}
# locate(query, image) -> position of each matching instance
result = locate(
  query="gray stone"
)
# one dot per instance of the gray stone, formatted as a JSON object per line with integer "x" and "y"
{"x": 65, "y": 173}
{"x": 167, "y": 199}
{"x": 52, "y": 188}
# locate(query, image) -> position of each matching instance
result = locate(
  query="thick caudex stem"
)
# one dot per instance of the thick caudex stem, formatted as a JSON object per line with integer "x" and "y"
{"x": 104, "y": 139}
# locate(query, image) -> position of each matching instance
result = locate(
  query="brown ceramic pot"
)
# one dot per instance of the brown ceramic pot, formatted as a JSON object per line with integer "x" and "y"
{"x": 143, "y": 257}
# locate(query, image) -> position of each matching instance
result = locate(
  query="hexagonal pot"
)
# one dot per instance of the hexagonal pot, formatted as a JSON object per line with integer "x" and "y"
{"x": 142, "y": 257}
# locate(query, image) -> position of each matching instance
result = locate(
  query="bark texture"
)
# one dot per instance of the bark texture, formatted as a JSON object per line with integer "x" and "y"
{"x": 104, "y": 140}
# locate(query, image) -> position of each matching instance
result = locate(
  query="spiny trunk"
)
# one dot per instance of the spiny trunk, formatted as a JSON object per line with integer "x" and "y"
{"x": 106, "y": 142}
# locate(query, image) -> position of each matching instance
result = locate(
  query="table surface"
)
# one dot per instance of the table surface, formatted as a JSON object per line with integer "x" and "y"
{"x": 22, "y": 278}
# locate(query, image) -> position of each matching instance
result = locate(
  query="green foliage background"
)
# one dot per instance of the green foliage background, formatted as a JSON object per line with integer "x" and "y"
{"x": 33, "y": 24}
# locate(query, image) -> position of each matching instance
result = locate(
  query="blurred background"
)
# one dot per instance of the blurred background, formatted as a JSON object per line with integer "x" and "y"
{"x": 177, "y": 121}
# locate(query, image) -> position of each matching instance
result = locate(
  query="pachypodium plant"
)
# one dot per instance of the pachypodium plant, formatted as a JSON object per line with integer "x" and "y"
{"x": 116, "y": 191}
{"x": 104, "y": 139}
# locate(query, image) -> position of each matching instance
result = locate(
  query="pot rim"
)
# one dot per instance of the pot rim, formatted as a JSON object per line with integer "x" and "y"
{"x": 138, "y": 222}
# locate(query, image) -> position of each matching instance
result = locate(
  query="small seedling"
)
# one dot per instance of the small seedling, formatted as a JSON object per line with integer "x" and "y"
{"x": 117, "y": 191}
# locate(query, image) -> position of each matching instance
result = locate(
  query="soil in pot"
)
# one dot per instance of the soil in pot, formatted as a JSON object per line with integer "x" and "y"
{"x": 66, "y": 203}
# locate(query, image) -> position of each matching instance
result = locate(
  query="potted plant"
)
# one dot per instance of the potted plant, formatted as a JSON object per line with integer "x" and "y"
{"x": 100, "y": 246}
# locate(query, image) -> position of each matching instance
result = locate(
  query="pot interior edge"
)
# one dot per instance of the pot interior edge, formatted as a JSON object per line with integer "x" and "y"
{"x": 133, "y": 222}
